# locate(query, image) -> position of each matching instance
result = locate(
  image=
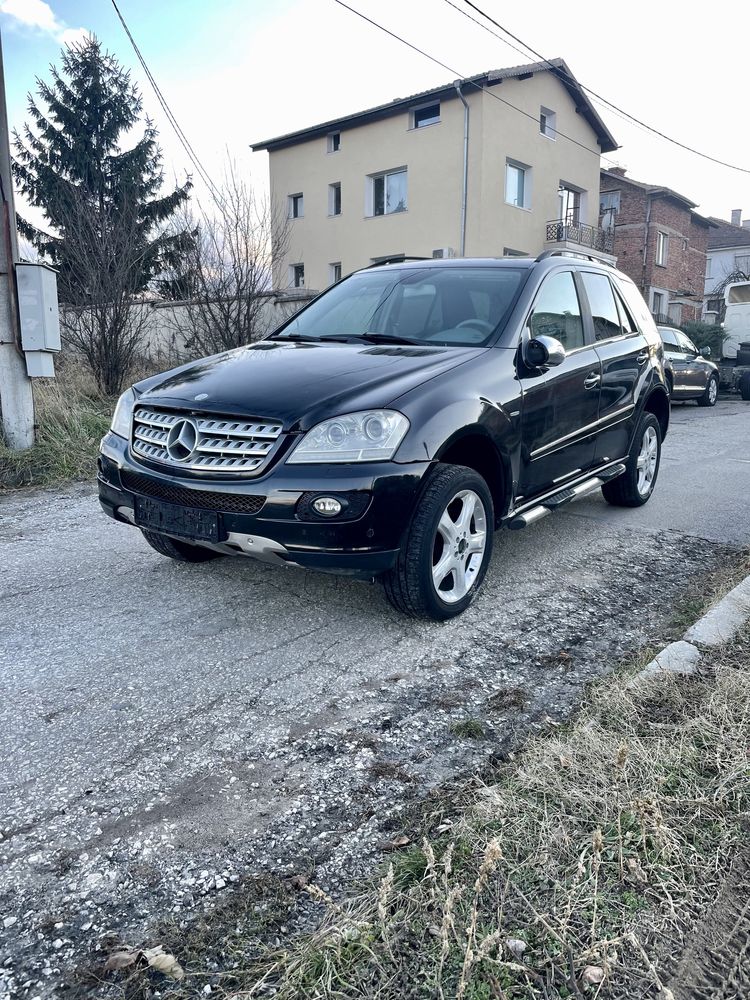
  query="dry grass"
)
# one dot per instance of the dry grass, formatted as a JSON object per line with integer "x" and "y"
{"x": 71, "y": 417}
{"x": 577, "y": 874}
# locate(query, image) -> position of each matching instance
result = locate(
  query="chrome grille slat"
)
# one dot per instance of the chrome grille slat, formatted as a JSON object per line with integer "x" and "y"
{"x": 222, "y": 443}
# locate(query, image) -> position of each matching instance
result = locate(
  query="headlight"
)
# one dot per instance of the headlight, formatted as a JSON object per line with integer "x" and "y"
{"x": 367, "y": 436}
{"x": 123, "y": 414}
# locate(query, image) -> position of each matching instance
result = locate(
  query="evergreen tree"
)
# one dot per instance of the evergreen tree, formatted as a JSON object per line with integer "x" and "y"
{"x": 71, "y": 159}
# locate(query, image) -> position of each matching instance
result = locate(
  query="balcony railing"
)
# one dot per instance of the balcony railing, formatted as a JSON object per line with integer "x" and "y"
{"x": 591, "y": 237}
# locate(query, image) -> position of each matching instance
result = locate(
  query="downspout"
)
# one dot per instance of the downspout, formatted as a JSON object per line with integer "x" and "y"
{"x": 645, "y": 247}
{"x": 465, "y": 181}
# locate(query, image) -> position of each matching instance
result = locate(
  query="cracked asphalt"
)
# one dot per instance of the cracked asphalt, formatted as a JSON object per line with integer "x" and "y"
{"x": 167, "y": 730}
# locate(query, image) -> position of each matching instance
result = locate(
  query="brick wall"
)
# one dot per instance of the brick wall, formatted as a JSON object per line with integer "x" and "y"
{"x": 688, "y": 236}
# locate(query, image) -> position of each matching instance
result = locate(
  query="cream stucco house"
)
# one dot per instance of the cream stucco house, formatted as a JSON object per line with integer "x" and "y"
{"x": 500, "y": 164}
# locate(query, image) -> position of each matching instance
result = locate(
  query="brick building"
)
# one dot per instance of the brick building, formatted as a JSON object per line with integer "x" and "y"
{"x": 660, "y": 242}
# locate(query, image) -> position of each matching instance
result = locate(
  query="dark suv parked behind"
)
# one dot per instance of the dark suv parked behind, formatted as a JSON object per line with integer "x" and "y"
{"x": 394, "y": 423}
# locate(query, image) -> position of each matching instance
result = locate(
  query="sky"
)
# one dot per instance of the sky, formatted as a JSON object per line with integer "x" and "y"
{"x": 238, "y": 71}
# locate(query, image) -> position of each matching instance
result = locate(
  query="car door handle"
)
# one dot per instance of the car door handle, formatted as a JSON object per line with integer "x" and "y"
{"x": 642, "y": 357}
{"x": 592, "y": 380}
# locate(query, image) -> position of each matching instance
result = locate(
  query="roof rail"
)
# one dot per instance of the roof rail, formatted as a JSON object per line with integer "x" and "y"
{"x": 580, "y": 255}
{"x": 398, "y": 258}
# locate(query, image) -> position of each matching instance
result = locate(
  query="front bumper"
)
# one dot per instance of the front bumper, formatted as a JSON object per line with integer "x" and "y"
{"x": 362, "y": 547}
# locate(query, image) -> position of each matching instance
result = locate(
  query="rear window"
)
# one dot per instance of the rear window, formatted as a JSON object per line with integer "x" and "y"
{"x": 452, "y": 306}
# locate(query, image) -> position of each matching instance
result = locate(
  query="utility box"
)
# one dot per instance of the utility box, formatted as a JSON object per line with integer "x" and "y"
{"x": 40, "y": 319}
{"x": 37, "y": 305}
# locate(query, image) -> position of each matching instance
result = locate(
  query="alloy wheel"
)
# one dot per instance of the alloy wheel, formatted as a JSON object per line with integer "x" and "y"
{"x": 713, "y": 390}
{"x": 458, "y": 548}
{"x": 647, "y": 460}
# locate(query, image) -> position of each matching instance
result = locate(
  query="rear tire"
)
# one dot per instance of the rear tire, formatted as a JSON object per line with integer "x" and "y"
{"x": 177, "y": 550}
{"x": 635, "y": 486}
{"x": 447, "y": 548}
{"x": 745, "y": 386}
{"x": 711, "y": 395}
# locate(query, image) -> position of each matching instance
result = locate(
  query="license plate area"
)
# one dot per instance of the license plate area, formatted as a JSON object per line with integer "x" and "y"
{"x": 185, "y": 522}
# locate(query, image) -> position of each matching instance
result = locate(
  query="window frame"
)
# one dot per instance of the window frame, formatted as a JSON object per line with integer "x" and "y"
{"x": 332, "y": 188}
{"x": 332, "y": 272}
{"x": 662, "y": 249}
{"x": 333, "y": 142}
{"x": 293, "y": 200}
{"x": 370, "y": 212}
{"x": 656, "y": 293}
{"x": 525, "y": 169}
{"x": 293, "y": 269}
{"x": 414, "y": 125}
{"x": 547, "y": 114}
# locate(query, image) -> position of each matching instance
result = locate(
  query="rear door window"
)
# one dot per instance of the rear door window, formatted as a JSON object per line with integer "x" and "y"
{"x": 603, "y": 306}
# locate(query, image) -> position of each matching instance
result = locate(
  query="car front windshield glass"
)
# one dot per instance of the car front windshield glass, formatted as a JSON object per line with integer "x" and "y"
{"x": 460, "y": 306}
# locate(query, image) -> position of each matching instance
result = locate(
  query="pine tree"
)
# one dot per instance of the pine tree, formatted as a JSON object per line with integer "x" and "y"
{"x": 100, "y": 193}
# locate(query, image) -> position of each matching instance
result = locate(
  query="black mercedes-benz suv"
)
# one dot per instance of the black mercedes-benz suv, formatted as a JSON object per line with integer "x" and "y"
{"x": 395, "y": 422}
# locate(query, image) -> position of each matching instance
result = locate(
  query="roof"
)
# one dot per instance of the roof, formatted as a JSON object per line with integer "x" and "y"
{"x": 558, "y": 67}
{"x": 659, "y": 191}
{"x": 650, "y": 189}
{"x": 727, "y": 235}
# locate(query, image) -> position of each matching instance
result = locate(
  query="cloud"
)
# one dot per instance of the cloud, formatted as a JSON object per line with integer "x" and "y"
{"x": 38, "y": 15}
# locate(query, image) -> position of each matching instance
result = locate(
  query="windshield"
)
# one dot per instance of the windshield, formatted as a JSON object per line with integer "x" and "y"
{"x": 460, "y": 306}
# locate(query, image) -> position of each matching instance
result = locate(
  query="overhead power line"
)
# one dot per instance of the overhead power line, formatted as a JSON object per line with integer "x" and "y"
{"x": 192, "y": 155}
{"x": 609, "y": 104}
{"x": 461, "y": 76}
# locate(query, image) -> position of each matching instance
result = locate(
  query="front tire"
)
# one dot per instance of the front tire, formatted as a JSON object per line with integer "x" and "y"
{"x": 711, "y": 395}
{"x": 745, "y": 386}
{"x": 635, "y": 486}
{"x": 177, "y": 550}
{"x": 447, "y": 549}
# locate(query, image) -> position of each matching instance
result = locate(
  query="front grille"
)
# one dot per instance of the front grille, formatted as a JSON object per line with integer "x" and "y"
{"x": 228, "y": 503}
{"x": 218, "y": 444}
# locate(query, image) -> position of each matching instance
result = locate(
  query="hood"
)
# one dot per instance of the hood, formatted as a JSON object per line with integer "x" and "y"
{"x": 299, "y": 384}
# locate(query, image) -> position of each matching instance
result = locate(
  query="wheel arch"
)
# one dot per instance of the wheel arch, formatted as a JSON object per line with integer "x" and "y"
{"x": 474, "y": 448}
{"x": 657, "y": 402}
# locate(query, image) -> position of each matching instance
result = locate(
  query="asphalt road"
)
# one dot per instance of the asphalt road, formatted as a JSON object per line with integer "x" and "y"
{"x": 165, "y": 728}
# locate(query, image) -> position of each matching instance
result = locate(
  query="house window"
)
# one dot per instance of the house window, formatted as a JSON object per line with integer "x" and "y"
{"x": 657, "y": 303}
{"x": 334, "y": 142}
{"x": 429, "y": 115}
{"x": 334, "y": 199}
{"x": 517, "y": 184}
{"x": 297, "y": 275}
{"x": 548, "y": 123}
{"x": 296, "y": 206}
{"x": 510, "y": 252}
{"x": 569, "y": 205}
{"x": 387, "y": 193}
{"x": 662, "y": 249}
{"x": 708, "y": 267}
{"x": 742, "y": 263}
{"x": 609, "y": 206}
{"x": 334, "y": 272}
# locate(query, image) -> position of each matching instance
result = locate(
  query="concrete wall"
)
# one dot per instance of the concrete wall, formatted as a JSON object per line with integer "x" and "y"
{"x": 433, "y": 156}
{"x": 164, "y": 323}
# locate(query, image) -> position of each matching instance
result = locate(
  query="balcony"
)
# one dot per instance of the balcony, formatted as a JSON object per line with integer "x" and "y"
{"x": 577, "y": 237}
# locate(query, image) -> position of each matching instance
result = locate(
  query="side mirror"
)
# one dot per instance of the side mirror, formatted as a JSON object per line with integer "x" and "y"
{"x": 544, "y": 352}
{"x": 705, "y": 352}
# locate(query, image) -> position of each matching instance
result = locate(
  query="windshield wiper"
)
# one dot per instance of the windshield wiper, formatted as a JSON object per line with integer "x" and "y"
{"x": 383, "y": 338}
{"x": 307, "y": 339}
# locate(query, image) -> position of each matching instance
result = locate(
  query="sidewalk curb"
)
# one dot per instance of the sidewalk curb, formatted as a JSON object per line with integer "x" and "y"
{"x": 718, "y": 626}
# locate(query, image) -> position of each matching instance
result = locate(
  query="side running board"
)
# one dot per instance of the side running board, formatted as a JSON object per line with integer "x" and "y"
{"x": 565, "y": 496}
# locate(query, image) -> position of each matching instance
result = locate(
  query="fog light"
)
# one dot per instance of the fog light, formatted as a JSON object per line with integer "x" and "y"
{"x": 327, "y": 506}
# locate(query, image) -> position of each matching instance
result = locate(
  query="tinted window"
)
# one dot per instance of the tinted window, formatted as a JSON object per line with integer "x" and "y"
{"x": 455, "y": 305}
{"x": 627, "y": 322}
{"x": 603, "y": 308}
{"x": 557, "y": 312}
{"x": 669, "y": 338}
{"x": 686, "y": 344}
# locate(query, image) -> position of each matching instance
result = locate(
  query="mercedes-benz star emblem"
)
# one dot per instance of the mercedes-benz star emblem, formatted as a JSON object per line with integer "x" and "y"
{"x": 182, "y": 439}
